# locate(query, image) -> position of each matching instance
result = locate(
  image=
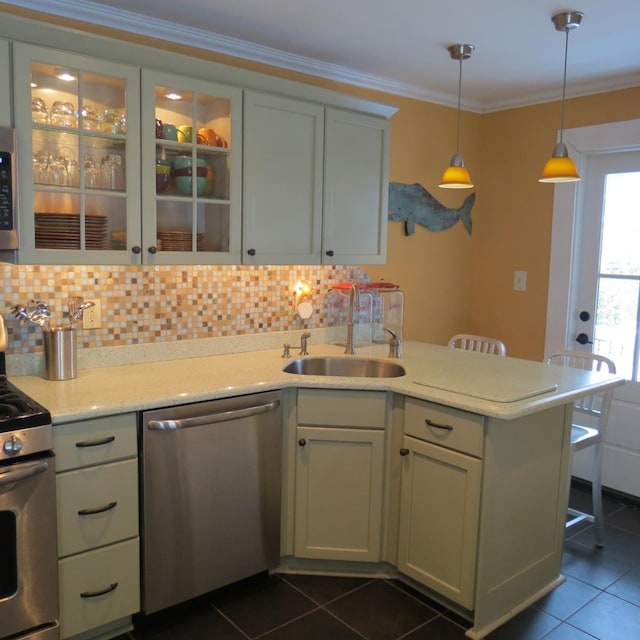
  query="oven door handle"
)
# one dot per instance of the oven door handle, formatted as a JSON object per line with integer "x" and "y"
{"x": 25, "y": 471}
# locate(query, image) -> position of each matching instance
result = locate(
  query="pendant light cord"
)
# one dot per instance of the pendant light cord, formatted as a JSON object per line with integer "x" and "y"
{"x": 564, "y": 82}
{"x": 459, "y": 98}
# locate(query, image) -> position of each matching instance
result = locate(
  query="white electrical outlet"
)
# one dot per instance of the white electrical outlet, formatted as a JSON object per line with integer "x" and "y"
{"x": 92, "y": 317}
{"x": 519, "y": 280}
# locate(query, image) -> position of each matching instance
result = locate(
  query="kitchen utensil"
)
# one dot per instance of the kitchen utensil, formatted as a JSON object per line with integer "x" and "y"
{"x": 41, "y": 319}
{"x": 79, "y": 310}
{"x": 38, "y": 306}
{"x": 20, "y": 312}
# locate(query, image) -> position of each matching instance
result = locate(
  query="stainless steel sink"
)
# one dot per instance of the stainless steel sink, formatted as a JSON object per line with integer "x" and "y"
{"x": 349, "y": 366}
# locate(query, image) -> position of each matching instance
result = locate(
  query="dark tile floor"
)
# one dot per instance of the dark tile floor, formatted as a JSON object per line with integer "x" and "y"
{"x": 600, "y": 599}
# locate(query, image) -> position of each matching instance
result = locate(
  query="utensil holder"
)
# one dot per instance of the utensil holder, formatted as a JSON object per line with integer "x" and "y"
{"x": 60, "y": 354}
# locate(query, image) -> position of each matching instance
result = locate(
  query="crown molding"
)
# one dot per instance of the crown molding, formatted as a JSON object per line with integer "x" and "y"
{"x": 130, "y": 22}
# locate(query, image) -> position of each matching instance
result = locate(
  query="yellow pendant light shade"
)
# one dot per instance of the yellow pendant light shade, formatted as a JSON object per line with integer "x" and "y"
{"x": 560, "y": 167}
{"x": 456, "y": 175}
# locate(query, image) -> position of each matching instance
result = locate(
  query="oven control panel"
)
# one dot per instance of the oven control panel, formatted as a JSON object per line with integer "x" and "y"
{"x": 12, "y": 446}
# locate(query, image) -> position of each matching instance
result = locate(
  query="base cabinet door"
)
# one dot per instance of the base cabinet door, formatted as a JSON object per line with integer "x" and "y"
{"x": 98, "y": 587}
{"x": 338, "y": 503}
{"x": 440, "y": 499}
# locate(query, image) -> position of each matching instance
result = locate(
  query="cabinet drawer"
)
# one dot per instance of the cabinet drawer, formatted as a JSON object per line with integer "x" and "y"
{"x": 88, "y": 597}
{"x": 445, "y": 426}
{"x": 89, "y": 442}
{"x": 354, "y": 409}
{"x": 109, "y": 493}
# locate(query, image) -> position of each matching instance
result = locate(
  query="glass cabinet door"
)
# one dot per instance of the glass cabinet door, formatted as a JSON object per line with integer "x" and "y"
{"x": 191, "y": 171}
{"x": 77, "y": 119}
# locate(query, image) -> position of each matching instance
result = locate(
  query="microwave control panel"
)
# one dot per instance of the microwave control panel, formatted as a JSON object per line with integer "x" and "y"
{"x": 6, "y": 192}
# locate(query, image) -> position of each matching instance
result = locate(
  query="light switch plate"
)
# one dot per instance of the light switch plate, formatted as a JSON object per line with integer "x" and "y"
{"x": 519, "y": 280}
{"x": 92, "y": 317}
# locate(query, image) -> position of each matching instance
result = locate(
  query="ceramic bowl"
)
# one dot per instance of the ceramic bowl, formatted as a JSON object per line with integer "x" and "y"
{"x": 183, "y": 175}
{"x": 163, "y": 176}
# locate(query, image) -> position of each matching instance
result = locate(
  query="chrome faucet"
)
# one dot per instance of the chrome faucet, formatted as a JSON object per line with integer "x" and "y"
{"x": 303, "y": 346}
{"x": 354, "y": 305}
{"x": 394, "y": 343}
{"x": 303, "y": 343}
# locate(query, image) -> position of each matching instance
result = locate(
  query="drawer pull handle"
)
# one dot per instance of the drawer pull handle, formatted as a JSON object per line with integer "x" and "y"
{"x": 435, "y": 425}
{"x": 95, "y": 443}
{"x": 102, "y": 592}
{"x": 91, "y": 512}
{"x": 404, "y": 452}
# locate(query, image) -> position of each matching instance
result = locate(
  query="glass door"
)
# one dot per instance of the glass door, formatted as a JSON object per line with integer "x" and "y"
{"x": 83, "y": 169}
{"x": 191, "y": 140}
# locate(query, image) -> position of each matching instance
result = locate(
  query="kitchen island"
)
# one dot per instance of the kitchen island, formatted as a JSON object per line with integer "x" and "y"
{"x": 503, "y": 388}
{"x": 474, "y": 517}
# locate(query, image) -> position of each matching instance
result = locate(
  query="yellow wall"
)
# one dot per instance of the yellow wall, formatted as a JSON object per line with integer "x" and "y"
{"x": 453, "y": 282}
{"x": 514, "y": 213}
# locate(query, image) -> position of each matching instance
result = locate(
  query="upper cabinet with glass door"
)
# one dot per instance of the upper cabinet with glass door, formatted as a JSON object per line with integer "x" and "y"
{"x": 78, "y": 124}
{"x": 191, "y": 140}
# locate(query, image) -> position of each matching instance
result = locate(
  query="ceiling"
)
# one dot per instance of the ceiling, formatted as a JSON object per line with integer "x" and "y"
{"x": 399, "y": 46}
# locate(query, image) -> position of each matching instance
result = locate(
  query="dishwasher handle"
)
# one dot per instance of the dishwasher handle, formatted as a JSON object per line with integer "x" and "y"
{"x": 223, "y": 416}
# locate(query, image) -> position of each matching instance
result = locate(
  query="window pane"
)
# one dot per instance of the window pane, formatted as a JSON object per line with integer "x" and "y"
{"x": 621, "y": 224}
{"x": 616, "y": 323}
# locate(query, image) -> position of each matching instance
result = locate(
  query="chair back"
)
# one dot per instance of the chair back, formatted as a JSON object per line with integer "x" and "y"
{"x": 481, "y": 344}
{"x": 597, "y": 405}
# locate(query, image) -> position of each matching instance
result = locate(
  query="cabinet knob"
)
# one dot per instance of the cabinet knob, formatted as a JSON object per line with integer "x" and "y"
{"x": 251, "y": 252}
{"x": 136, "y": 249}
{"x": 404, "y": 452}
{"x": 330, "y": 253}
{"x": 152, "y": 249}
{"x": 302, "y": 442}
{"x": 583, "y": 338}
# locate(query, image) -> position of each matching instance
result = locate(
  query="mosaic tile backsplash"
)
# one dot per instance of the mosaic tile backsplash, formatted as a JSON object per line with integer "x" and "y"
{"x": 141, "y": 304}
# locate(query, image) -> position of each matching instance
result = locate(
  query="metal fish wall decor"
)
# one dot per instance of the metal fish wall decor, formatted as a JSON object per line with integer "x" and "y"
{"x": 412, "y": 203}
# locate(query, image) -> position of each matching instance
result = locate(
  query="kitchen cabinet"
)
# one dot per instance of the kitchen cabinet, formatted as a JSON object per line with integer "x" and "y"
{"x": 324, "y": 201}
{"x": 98, "y": 537}
{"x": 79, "y": 162}
{"x": 5, "y": 81}
{"x": 92, "y": 197}
{"x": 282, "y": 199}
{"x": 192, "y": 170}
{"x": 356, "y": 188}
{"x": 438, "y": 527}
{"x": 91, "y": 191}
{"x": 340, "y": 438}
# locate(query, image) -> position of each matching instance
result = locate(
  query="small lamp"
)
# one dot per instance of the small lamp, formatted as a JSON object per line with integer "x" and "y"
{"x": 560, "y": 167}
{"x": 456, "y": 175}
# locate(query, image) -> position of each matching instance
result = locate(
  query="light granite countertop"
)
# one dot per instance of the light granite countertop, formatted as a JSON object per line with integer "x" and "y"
{"x": 498, "y": 387}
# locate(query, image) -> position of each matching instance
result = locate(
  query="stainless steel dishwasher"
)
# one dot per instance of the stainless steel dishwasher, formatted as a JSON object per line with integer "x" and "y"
{"x": 211, "y": 479}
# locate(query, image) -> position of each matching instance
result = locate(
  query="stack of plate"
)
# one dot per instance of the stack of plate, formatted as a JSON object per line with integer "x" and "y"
{"x": 179, "y": 240}
{"x": 62, "y": 231}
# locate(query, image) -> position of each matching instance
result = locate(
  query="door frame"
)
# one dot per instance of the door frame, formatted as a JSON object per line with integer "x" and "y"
{"x": 565, "y": 228}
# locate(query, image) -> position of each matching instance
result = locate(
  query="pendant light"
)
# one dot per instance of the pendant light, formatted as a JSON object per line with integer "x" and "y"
{"x": 456, "y": 175}
{"x": 560, "y": 167}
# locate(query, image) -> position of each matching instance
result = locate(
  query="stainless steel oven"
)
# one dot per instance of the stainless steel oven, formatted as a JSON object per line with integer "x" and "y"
{"x": 28, "y": 540}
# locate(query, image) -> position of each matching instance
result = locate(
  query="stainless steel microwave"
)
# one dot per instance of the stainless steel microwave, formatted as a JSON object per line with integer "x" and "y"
{"x": 8, "y": 209}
